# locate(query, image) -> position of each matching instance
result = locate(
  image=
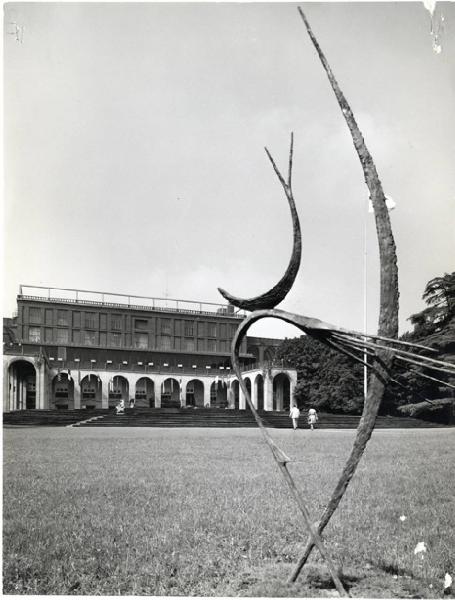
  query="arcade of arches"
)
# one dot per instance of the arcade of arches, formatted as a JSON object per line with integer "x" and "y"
{"x": 30, "y": 384}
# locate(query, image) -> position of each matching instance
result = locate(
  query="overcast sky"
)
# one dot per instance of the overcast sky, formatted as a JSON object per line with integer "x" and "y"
{"x": 134, "y": 158}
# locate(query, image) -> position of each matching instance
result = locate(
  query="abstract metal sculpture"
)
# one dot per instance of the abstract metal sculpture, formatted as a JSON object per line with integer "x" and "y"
{"x": 380, "y": 350}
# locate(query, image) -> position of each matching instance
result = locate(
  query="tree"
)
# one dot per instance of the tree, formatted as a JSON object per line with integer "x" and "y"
{"x": 439, "y": 295}
{"x": 434, "y": 327}
{"x": 325, "y": 379}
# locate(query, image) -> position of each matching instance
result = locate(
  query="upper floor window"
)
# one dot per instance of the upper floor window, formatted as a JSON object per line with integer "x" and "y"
{"x": 76, "y": 319}
{"x": 189, "y": 328}
{"x": 200, "y": 329}
{"x": 116, "y": 339}
{"x": 141, "y": 324}
{"x": 165, "y": 342}
{"x": 224, "y": 346}
{"x": 188, "y": 344}
{"x": 34, "y": 315}
{"x": 211, "y": 329}
{"x": 62, "y": 336}
{"x": 222, "y": 330}
{"x": 116, "y": 321}
{"x": 49, "y": 316}
{"x": 103, "y": 321}
{"x": 211, "y": 345}
{"x": 90, "y": 320}
{"x": 62, "y": 317}
{"x": 166, "y": 326}
{"x": 89, "y": 338}
{"x": 34, "y": 334}
{"x": 177, "y": 327}
{"x": 141, "y": 340}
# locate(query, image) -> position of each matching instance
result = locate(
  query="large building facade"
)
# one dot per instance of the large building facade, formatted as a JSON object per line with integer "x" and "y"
{"x": 71, "y": 349}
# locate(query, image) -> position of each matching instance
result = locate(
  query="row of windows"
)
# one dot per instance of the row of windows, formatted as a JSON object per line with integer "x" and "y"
{"x": 140, "y": 340}
{"x": 89, "y": 320}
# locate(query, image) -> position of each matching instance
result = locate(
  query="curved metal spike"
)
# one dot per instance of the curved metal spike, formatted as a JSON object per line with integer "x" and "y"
{"x": 278, "y": 293}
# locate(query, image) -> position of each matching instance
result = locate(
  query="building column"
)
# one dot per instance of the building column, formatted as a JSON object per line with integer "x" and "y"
{"x": 207, "y": 387}
{"x": 6, "y": 388}
{"x": 42, "y": 391}
{"x": 131, "y": 388}
{"x": 38, "y": 388}
{"x": 268, "y": 392}
{"x": 230, "y": 395}
{"x": 182, "y": 393}
{"x": 158, "y": 384}
{"x": 104, "y": 390}
{"x": 76, "y": 394}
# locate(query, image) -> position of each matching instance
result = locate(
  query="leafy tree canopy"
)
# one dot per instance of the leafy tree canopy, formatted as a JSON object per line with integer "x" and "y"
{"x": 434, "y": 327}
{"x": 325, "y": 379}
{"x": 439, "y": 295}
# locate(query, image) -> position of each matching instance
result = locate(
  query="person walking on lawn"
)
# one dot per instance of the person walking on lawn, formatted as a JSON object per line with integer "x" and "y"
{"x": 295, "y": 414}
{"x": 312, "y": 418}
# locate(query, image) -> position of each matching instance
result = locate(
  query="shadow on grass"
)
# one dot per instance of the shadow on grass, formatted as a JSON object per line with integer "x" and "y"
{"x": 315, "y": 582}
{"x": 271, "y": 581}
{"x": 392, "y": 569}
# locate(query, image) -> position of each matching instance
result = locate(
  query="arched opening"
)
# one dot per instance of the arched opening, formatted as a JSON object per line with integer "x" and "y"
{"x": 62, "y": 392}
{"x": 218, "y": 394}
{"x": 145, "y": 393}
{"x": 236, "y": 393}
{"x": 91, "y": 391}
{"x": 195, "y": 393}
{"x": 248, "y": 387}
{"x": 118, "y": 390}
{"x": 170, "y": 393}
{"x": 259, "y": 388}
{"x": 281, "y": 392}
{"x": 22, "y": 385}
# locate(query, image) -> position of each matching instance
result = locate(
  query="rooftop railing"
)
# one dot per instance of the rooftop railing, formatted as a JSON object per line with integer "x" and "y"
{"x": 95, "y": 298}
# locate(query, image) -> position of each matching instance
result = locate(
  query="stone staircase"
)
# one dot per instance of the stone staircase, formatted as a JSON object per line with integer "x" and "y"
{"x": 213, "y": 417}
{"x": 51, "y": 418}
{"x": 176, "y": 417}
{"x": 193, "y": 417}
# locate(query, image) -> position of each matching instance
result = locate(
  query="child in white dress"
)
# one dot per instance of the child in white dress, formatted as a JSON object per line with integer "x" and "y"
{"x": 312, "y": 417}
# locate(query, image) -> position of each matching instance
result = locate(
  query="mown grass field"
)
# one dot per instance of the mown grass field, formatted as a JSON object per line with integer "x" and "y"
{"x": 205, "y": 512}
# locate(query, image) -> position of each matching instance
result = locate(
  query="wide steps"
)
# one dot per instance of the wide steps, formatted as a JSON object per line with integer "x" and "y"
{"x": 51, "y": 418}
{"x": 236, "y": 418}
{"x": 201, "y": 417}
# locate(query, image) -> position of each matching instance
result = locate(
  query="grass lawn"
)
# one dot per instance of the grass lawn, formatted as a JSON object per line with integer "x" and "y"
{"x": 146, "y": 511}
